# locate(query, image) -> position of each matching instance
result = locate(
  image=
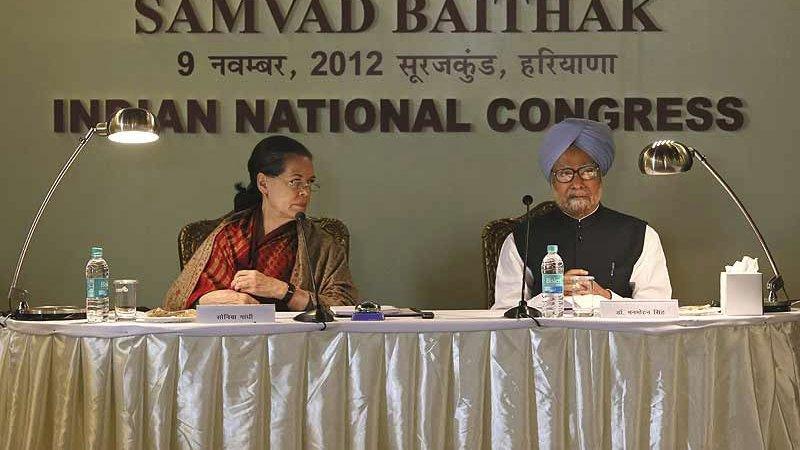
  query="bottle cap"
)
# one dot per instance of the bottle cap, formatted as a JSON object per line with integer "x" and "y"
{"x": 552, "y": 248}
{"x": 97, "y": 252}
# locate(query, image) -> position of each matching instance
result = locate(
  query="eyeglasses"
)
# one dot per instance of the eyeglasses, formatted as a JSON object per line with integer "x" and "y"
{"x": 587, "y": 172}
{"x": 300, "y": 185}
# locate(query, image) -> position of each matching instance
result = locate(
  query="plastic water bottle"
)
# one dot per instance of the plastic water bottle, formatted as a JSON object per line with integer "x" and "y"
{"x": 96, "y": 287}
{"x": 553, "y": 283}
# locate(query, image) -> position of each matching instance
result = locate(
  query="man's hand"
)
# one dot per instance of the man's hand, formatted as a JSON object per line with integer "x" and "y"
{"x": 573, "y": 286}
{"x": 256, "y": 283}
{"x": 227, "y": 297}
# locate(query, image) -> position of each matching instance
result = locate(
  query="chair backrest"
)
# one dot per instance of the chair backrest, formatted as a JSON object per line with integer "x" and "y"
{"x": 192, "y": 235}
{"x": 492, "y": 237}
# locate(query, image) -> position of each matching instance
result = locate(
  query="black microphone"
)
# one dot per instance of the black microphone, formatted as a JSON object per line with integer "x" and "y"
{"x": 527, "y": 200}
{"x": 321, "y": 313}
{"x": 523, "y": 310}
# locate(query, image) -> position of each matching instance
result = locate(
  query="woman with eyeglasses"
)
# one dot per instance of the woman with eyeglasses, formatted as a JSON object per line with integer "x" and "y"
{"x": 254, "y": 255}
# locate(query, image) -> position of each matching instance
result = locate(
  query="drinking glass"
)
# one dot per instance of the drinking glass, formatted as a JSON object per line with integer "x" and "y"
{"x": 582, "y": 305}
{"x": 125, "y": 299}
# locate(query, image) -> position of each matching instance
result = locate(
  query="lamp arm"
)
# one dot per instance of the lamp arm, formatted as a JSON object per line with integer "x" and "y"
{"x": 82, "y": 143}
{"x": 738, "y": 202}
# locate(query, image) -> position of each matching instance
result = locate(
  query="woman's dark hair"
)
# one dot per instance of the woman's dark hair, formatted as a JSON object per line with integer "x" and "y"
{"x": 269, "y": 158}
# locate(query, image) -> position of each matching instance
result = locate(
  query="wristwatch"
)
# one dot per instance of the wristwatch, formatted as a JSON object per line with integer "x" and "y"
{"x": 289, "y": 293}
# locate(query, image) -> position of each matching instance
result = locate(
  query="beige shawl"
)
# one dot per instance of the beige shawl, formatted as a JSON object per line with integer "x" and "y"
{"x": 331, "y": 272}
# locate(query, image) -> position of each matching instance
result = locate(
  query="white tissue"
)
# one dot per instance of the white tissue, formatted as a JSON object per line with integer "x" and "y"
{"x": 745, "y": 265}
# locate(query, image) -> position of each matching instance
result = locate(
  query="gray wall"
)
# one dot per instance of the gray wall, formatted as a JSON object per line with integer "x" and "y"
{"x": 415, "y": 203}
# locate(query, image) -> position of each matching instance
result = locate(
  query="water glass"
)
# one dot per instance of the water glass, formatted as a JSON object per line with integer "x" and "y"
{"x": 582, "y": 305}
{"x": 125, "y": 299}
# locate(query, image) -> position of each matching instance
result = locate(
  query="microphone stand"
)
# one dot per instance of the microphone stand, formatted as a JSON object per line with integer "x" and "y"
{"x": 523, "y": 310}
{"x": 321, "y": 313}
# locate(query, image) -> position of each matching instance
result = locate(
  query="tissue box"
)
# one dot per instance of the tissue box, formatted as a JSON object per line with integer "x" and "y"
{"x": 740, "y": 294}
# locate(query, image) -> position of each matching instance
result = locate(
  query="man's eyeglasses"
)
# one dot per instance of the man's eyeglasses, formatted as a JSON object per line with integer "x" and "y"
{"x": 300, "y": 185}
{"x": 587, "y": 172}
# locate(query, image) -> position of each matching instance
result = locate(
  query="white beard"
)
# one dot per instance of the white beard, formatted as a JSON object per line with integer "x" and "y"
{"x": 576, "y": 206}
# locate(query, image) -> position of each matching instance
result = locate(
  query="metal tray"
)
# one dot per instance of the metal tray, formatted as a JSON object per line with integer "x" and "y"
{"x": 51, "y": 313}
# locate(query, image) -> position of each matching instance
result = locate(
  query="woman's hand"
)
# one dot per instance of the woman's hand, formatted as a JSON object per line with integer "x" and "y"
{"x": 573, "y": 286}
{"x": 256, "y": 283}
{"x": 227, "y": 297}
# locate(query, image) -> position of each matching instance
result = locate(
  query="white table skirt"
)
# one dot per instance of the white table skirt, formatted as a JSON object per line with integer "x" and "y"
{"x": 463, "y": 380}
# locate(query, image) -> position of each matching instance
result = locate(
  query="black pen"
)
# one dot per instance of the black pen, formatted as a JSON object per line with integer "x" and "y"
{"x": 421, "y": 313}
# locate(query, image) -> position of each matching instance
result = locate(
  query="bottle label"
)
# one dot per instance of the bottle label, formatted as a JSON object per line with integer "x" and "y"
{"x": 96, "y": 287}
{"x": 552, "y": 283}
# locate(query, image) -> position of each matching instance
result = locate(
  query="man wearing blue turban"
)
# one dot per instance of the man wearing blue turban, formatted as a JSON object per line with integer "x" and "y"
{"x": 621, "y": 252}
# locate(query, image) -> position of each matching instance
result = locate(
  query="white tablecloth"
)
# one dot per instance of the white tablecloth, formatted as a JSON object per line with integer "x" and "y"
{"x": 467, "y": 379}
{"x": 445, "y": 321}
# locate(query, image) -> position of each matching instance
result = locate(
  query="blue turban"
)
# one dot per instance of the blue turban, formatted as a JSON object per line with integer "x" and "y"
{"x": 592, "y": 137}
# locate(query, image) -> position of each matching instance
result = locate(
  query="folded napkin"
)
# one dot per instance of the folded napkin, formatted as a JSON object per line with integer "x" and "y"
{"x": 699, "y": 310}
{"x": 586, "y": 301}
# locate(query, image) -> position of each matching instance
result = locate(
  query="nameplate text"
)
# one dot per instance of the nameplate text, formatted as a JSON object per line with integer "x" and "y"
{"x": 639, "y": 309}
{"x": 235, "y": 313}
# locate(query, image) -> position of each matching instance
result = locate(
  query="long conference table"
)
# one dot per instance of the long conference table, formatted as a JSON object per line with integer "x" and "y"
{"x": 466, "y": 379}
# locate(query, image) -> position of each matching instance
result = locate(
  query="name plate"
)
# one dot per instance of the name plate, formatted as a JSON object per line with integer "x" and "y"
{"x": 235, "y": 313}
{"x": 639, "y": 309}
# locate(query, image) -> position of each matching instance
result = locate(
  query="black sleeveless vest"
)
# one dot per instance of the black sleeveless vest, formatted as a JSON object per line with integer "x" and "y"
{"x": 606, "y": 243}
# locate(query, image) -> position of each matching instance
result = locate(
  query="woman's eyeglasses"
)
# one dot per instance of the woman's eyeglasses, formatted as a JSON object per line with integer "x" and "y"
{"x": 300, "y": 185}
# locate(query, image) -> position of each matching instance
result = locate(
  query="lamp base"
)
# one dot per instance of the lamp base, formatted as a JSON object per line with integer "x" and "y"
{"x": 777, "y": 306}
{"x": 18, "y": 298}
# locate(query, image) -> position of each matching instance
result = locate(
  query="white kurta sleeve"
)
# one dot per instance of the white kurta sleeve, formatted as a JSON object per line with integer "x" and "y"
{"x": 508, "y": 279}
{"x": 650, "y": 271}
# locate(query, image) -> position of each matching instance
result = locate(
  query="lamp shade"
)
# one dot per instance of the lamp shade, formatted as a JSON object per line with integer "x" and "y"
{"x": 130, "y": 126}
{"x": 665, "y": 157}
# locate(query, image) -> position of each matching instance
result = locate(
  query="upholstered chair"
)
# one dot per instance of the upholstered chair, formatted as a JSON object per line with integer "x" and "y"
{"x": 492, "y": 237}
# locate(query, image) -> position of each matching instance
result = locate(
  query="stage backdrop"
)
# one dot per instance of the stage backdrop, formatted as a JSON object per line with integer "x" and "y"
{"x": 424, "y": 118}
